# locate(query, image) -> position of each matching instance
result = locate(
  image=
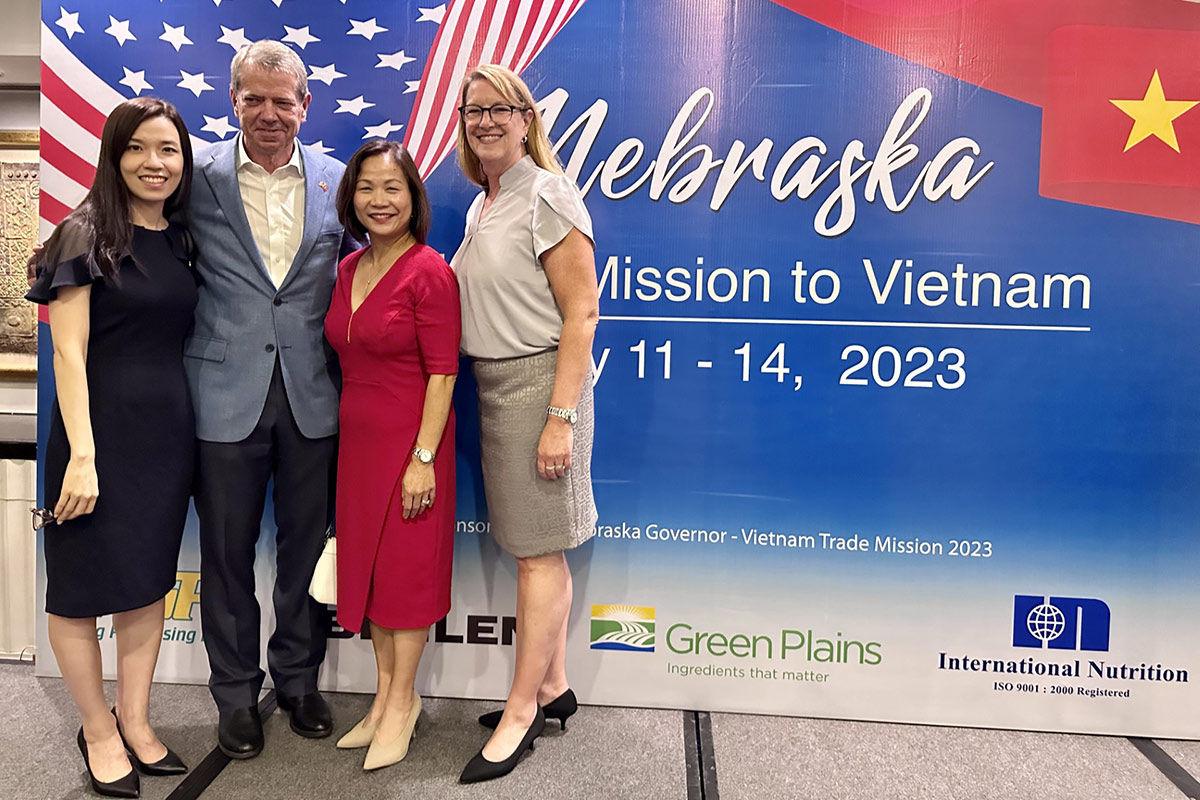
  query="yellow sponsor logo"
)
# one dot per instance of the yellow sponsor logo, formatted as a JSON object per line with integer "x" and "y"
{"x": 181, "y": 601}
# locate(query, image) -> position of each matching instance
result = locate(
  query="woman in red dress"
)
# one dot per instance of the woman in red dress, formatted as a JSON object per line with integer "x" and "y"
{"x": 394, "y": 321}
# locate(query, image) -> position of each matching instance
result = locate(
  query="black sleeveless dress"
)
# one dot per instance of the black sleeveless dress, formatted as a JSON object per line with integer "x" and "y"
{"x": 123, "y": 555}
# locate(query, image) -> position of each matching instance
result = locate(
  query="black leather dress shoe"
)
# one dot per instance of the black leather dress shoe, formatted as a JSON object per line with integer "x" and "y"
{"x": 310, "y": 716}
{"x": 240, "y": 733}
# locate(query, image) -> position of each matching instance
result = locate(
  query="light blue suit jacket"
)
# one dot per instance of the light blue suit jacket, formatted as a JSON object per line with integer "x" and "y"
{"x": 243, "y": 322}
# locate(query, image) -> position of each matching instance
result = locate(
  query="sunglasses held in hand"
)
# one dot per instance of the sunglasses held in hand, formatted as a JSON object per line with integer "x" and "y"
{"x": 42, "y": 517}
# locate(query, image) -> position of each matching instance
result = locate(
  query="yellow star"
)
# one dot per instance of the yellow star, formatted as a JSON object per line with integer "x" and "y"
{"x": 1153, "y": 115}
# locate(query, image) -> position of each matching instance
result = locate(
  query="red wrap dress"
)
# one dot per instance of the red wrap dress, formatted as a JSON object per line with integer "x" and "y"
{"x": 393, "y": 571}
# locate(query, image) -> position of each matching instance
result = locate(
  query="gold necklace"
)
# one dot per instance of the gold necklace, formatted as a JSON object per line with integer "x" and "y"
{"x": 376, "y": 272}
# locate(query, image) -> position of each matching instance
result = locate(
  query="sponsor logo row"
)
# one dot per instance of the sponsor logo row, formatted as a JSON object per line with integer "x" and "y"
{"x": 1056, "y": 623}
{"x": 1040, "y": 622}
{"x": 1045, "y": 623}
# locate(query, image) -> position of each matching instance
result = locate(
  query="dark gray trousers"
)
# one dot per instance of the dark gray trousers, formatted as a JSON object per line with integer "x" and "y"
{"x": 231, "y": 489}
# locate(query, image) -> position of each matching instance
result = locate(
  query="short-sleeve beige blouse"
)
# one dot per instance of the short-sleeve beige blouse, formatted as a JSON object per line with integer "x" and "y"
{"x": 508, "y": 308}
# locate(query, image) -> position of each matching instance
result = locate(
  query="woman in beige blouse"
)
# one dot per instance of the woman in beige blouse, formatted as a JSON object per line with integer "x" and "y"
{"x": 527, "y": 279}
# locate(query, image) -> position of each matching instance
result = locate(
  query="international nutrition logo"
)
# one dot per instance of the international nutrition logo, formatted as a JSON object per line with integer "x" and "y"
{"x": 1060, "y": 623}
{"x": 628, "y": 628}
{"x": 1049, "y": 623}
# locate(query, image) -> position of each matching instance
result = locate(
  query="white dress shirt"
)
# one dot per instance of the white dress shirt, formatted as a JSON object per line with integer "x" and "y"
{"x": 274, "y": 204}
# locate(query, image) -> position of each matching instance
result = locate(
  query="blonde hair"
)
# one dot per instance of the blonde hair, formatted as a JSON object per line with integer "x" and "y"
{"x": 513, "y": 89}
{"x": 272, "y": 56}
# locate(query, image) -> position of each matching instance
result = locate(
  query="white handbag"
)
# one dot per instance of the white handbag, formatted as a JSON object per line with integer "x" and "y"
{"x": 323, "y": 586}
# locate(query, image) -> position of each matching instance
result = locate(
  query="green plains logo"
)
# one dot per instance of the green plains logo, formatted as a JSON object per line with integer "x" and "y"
{"x": 807, "y": 645}
{"x": 628, "y": 628}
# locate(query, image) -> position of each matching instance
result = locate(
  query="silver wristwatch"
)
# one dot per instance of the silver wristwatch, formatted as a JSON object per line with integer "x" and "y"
{"x": 423, "y": 455}
{"x": 569, "y": 414}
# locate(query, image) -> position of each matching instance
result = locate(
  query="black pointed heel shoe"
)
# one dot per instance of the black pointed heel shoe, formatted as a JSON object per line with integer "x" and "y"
{"x": 479, "y": 769}
{"x": 560, "y": 708}
{"x": 170, "y": 764}
{"x": 125, "y": 786}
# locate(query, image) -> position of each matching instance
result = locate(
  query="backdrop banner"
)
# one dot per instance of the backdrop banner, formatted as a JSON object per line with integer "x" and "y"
{"x": 898, "y": 413}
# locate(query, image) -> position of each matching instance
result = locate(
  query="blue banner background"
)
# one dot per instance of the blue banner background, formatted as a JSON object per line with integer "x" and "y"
{"x": 1074, "y": 454}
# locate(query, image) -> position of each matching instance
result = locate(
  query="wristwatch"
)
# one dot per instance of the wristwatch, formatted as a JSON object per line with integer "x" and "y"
{"x": 423, "y": 455}
{"x": 569, "y": 414}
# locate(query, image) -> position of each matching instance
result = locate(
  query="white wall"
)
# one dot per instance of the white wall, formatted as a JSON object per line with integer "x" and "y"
{"x": 18, "y": 606}
{"x": 19, "y": 35}
{"x": 18, "y": 396}
{"x": 19, "y": 48}
{"x": 18, "y": 112}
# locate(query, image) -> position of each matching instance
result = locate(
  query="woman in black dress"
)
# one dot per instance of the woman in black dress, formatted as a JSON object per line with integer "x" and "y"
{"x": 118, "y": 464}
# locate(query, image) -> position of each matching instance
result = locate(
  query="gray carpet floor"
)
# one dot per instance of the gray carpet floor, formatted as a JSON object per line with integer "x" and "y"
{"x": 38, "y": 722}
{"x": 606, "y": 754}
{"x": 1187, "y": 754}
{"x": 833, "y": 759}
{"x": 448, "y": 735}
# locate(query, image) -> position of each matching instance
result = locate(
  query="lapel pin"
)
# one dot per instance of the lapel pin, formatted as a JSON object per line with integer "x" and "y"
{"x": 324, "y": 186}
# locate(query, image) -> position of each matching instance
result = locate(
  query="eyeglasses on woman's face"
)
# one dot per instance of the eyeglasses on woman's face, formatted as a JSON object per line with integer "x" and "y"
{"x": 499, "y": 114}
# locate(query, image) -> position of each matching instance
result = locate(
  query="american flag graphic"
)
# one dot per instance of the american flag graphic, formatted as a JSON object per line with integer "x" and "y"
{"x": 495, "y": 32}
{"x": 375, "y": 70}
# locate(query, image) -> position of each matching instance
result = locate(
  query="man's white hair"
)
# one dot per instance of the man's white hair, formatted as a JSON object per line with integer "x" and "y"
{"x": 271, "y": 55}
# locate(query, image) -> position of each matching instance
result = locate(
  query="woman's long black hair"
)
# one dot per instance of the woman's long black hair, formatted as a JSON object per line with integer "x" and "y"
{"x": 99, "y": 227}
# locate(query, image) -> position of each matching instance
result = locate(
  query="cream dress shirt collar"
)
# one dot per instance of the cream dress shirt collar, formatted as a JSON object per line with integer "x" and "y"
{"x": 242, "y": 158}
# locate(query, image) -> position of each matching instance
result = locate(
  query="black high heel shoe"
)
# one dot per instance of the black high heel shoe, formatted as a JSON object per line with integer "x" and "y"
{"x": 560, "y": 708}
{"x": 480, "y": 769}
{"x": 125, "y": 786}
{"x": 170, "y": 764}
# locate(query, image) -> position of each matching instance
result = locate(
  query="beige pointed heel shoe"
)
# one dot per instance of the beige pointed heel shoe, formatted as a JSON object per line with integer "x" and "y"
{"x": 385, "y": 754}
{"x": 358, "y": 736}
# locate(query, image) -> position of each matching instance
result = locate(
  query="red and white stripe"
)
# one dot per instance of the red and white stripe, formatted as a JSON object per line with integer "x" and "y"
{"x": 75, "y": 103}
{"x": 507, "y": 32}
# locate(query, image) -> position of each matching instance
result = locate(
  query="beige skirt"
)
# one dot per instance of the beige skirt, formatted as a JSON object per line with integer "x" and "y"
{"x": 529, "y": 515}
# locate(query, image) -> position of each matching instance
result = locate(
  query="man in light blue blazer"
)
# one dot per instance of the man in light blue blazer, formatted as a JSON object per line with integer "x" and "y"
{"x": 268, "y": 240}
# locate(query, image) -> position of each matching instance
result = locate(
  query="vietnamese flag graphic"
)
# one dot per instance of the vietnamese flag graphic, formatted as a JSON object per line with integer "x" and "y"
{"x": 1113, "y": 135}
{"x": 1121, "y": 124}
